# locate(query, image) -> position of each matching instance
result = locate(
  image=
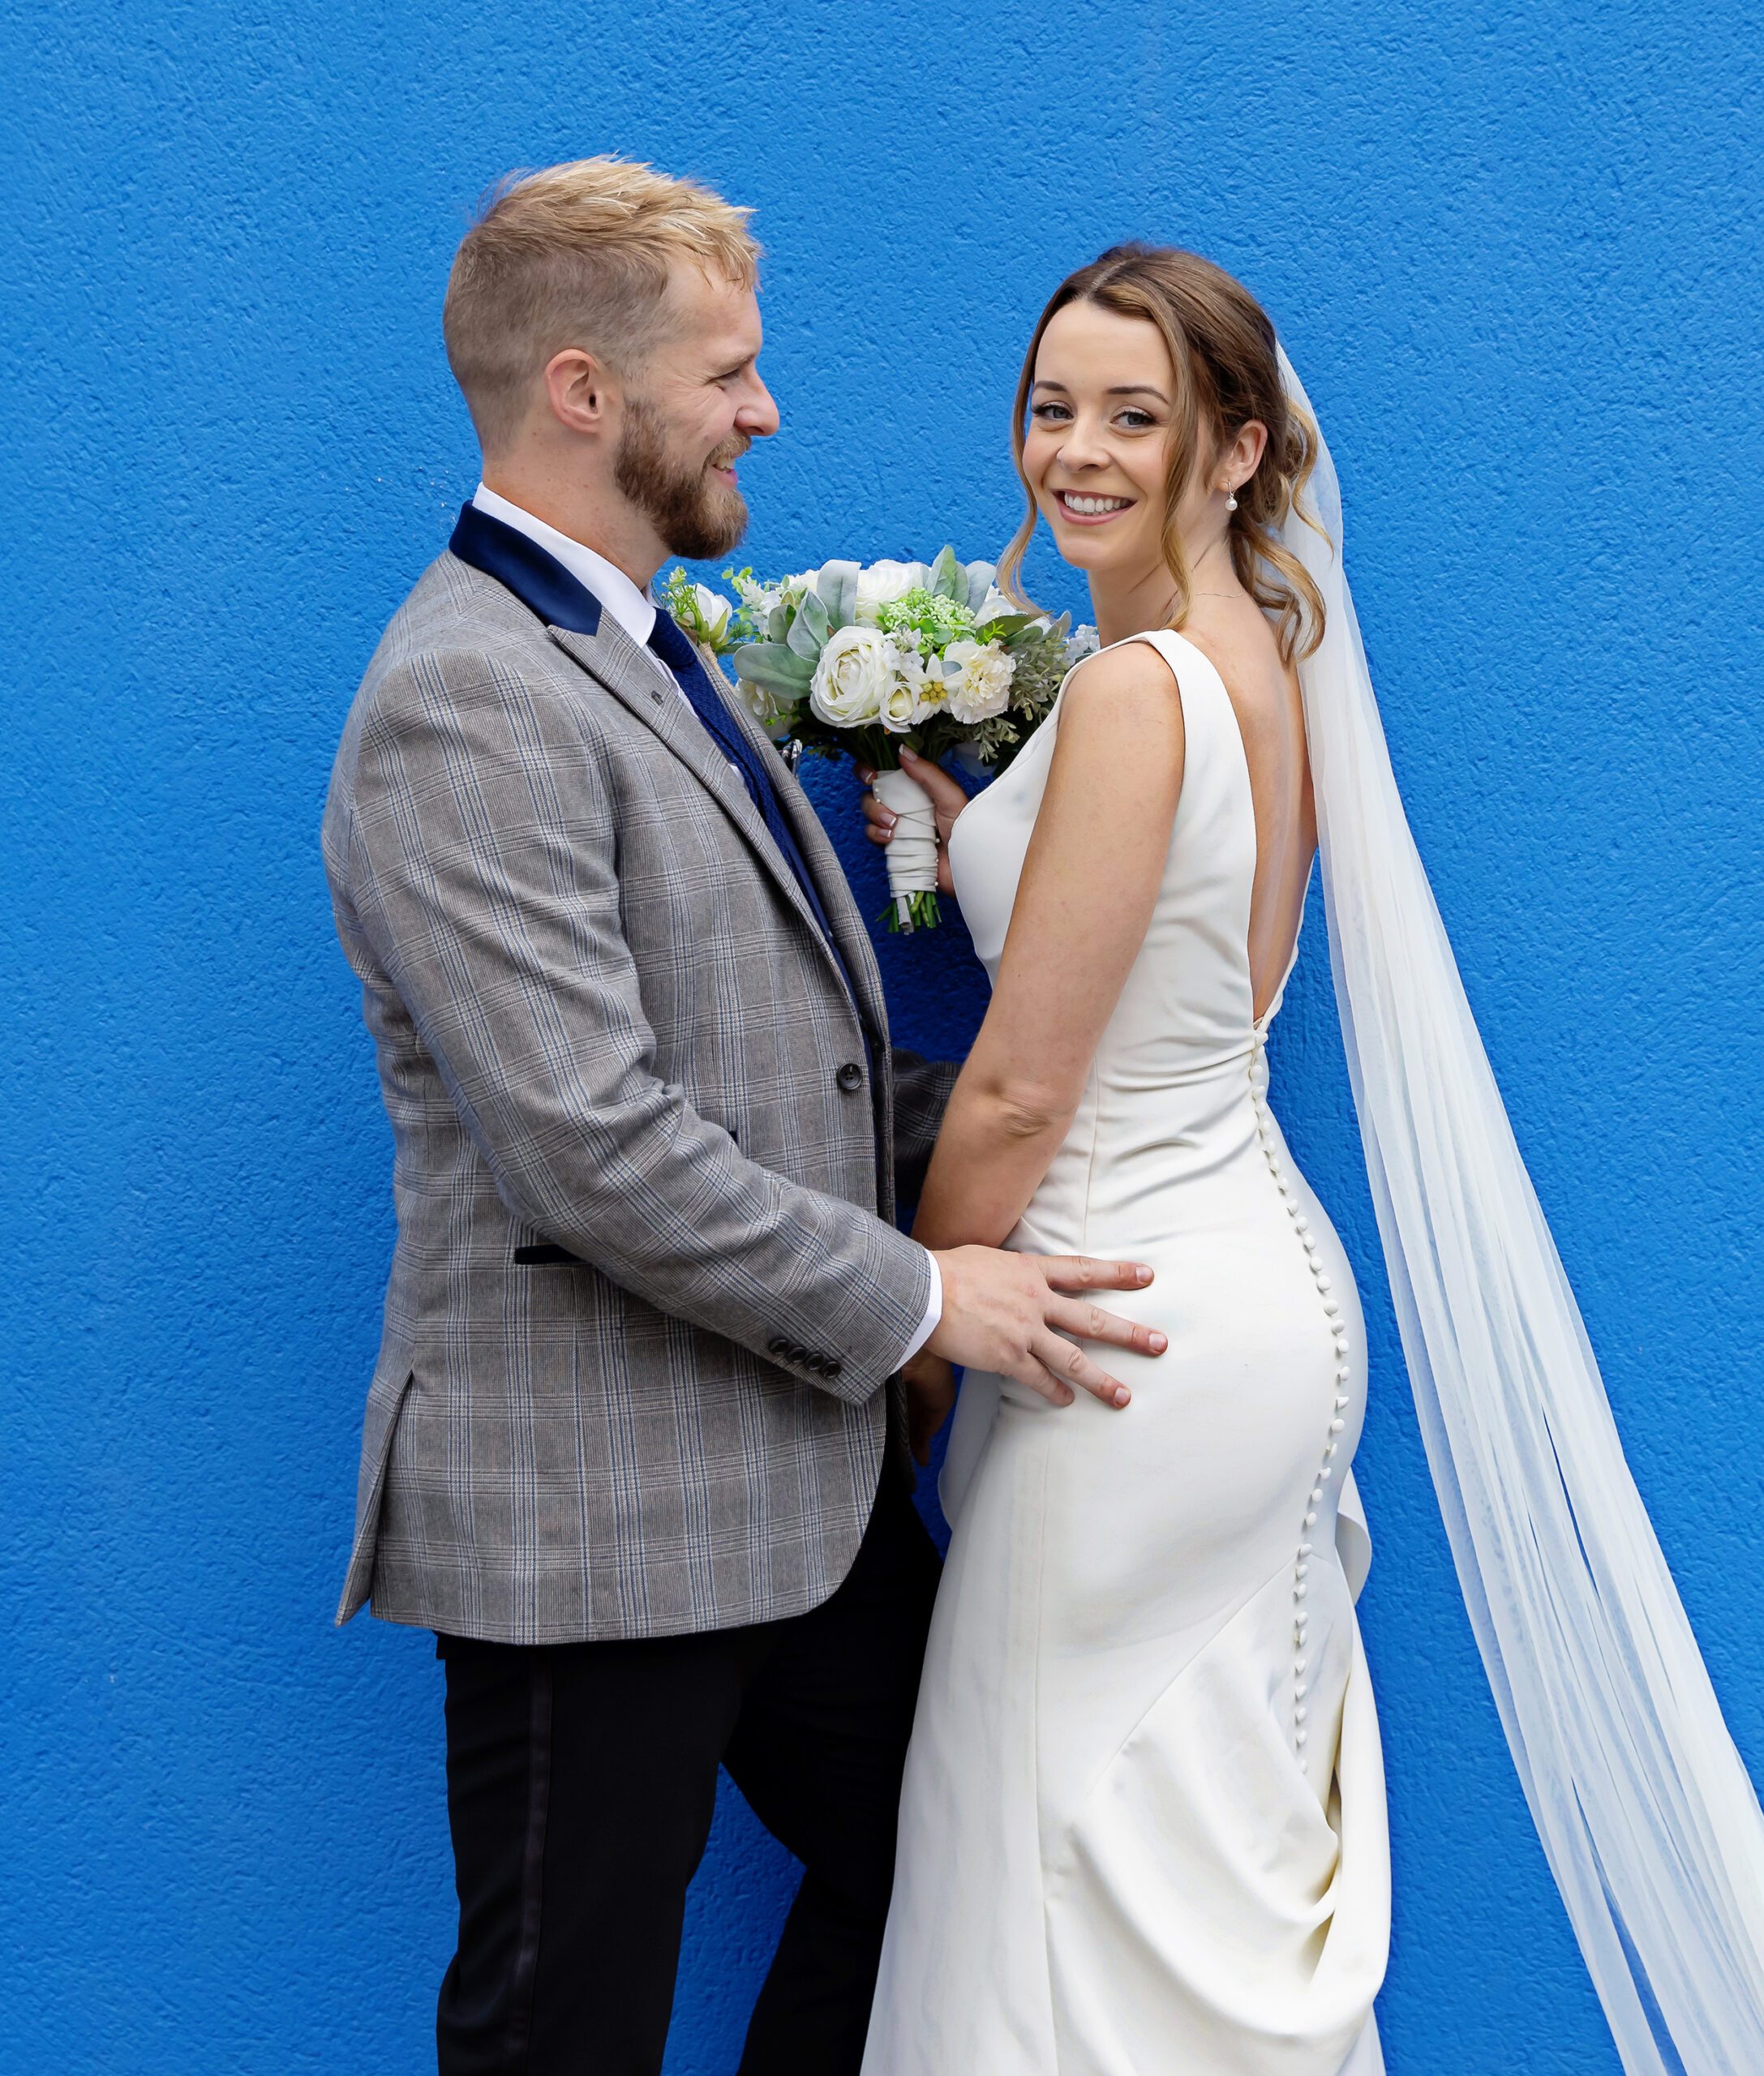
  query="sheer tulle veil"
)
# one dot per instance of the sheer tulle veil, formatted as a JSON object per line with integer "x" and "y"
{"x": 1651, "y": 1827}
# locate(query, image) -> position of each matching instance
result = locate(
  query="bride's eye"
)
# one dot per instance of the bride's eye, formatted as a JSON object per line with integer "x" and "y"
{"x": 1135, "y": 420}
{"x": 1050, "y": 414}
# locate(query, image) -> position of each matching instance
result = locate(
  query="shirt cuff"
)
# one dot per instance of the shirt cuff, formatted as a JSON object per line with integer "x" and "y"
{"x": 934, "y": 1312}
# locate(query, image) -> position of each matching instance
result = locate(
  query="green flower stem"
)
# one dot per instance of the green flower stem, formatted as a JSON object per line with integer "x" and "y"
{"x": 913, "y": 912}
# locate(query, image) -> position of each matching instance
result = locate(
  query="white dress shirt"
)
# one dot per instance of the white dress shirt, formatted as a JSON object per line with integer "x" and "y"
{"x": 635, "y": 611}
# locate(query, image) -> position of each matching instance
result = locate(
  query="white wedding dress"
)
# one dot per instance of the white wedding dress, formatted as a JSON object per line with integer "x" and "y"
{"x": 1143, "y": 1831}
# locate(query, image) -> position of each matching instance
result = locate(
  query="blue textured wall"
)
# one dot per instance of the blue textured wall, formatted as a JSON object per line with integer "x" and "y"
{"x": 1513, "y": 252}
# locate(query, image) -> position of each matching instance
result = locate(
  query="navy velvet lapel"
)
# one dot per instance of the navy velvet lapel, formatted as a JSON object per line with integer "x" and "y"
{"x": 540, "y": 581}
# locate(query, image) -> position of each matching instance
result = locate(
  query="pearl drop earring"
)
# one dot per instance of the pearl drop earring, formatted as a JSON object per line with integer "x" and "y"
{"x": 1231, "y": 498}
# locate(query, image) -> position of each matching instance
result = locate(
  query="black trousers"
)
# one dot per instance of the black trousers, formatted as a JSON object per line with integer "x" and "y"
{"x": 579, "y": 1783}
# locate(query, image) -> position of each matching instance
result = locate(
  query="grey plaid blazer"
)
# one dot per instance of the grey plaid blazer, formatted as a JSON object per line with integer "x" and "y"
{"x": 646, "y": 1294}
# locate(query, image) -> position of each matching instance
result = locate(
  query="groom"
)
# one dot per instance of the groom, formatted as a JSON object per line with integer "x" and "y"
{"x": 632, "y": 1446}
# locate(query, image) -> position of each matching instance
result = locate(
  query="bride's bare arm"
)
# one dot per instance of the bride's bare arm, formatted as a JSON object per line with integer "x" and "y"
{"x": 1089, "y": 883}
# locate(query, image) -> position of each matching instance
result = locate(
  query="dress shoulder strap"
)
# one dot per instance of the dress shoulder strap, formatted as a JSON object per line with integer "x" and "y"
{"x": 1209, "y": 720}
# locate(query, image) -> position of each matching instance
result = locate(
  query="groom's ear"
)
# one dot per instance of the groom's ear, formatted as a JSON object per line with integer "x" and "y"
{"x": 581, "y": 390}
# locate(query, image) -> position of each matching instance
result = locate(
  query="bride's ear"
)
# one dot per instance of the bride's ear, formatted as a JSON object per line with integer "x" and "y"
{"x": 1242, "y": 454}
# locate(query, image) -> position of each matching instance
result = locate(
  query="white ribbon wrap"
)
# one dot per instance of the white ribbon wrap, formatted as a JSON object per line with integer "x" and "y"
{"x": 913, "y": 854}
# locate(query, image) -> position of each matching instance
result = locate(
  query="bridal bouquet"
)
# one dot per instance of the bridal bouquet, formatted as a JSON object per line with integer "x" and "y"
{"x": 858, "y": 660}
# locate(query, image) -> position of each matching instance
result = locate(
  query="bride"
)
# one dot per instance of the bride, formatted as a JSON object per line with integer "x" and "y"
{"x": 1142, "y": 1828}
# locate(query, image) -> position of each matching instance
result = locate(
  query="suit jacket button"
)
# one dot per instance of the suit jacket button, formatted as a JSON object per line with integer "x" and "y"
{"x": 778, "y": 1345}
{"x": 830, "y": 1369}
{"x": 850, "y": 1077}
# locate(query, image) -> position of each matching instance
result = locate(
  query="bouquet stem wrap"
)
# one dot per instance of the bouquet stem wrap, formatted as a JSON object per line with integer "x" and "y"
{"x": 913, "y": 854}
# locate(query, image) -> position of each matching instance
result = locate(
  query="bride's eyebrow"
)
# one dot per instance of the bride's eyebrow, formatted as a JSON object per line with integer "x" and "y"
{"x": 1116, "y": 389}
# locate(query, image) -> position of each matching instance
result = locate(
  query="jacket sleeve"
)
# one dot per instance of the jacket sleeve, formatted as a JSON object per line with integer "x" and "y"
{"x": 482, "y": 868}
{"x": 921, "y": 1096}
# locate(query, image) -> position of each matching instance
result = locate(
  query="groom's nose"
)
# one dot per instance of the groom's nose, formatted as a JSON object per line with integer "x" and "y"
{"x": 758, "y": 415}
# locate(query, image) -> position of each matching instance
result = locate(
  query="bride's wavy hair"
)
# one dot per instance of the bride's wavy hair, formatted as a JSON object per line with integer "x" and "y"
{"x": 1227, "y": 362}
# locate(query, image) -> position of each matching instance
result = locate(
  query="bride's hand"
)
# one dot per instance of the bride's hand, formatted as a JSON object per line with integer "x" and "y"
{"x": 947, "y": 801}
{"x": 930, "y": 1385}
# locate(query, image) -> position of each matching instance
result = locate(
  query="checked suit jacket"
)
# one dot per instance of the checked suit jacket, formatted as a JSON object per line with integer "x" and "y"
{"x": 647, "y": 1296}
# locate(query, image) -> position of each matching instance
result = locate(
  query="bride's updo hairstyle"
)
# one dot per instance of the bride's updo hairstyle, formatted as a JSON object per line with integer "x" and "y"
{"x": 1222, "y": 347}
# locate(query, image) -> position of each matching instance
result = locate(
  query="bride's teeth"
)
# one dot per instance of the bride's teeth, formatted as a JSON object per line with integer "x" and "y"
{"x": 1088, "y": 508}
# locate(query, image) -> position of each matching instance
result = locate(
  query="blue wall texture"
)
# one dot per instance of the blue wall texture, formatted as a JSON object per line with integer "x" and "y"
{"x": 1513, "y": 252}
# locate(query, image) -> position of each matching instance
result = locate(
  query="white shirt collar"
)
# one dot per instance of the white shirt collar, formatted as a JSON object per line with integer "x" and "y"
{"x": 633, "y": 609}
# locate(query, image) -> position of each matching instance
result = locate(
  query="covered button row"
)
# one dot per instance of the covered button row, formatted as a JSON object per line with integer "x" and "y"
{"x": 793, "y": 1351}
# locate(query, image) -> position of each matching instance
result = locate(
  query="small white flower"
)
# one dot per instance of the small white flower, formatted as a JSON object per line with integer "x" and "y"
{"x": 759, "y": 599}
{"x": 855, "y": 676}
{"x": 882, "y": 582}
{"x": 931, "y": 690}
{"x": 978, "y": 676}
{"x": 1081, "y": 642}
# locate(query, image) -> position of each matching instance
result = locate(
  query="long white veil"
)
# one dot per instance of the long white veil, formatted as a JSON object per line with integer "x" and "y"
{"x": 1651, "y": 1825}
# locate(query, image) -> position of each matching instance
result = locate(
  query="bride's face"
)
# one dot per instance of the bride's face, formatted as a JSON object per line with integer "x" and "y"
{"x": 1098, "y": 446}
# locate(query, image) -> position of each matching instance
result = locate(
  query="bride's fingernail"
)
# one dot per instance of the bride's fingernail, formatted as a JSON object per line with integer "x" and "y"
{"x": 1122, "y": 1396}
{"x": 1143, "y": 1273}
{"x": 1159, "y": 1344}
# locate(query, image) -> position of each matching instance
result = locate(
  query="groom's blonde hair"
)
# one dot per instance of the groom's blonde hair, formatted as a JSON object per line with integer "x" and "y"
{"x": 575, "y": 256}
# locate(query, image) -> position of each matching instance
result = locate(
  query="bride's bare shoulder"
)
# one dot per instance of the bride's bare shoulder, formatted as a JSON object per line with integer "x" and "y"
{"x": 1241, "y": 648}
{"x": 1129, "y": 689}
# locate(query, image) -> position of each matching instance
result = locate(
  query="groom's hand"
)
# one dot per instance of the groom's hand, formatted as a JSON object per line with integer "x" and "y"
{"x": 1009, "y": 1314}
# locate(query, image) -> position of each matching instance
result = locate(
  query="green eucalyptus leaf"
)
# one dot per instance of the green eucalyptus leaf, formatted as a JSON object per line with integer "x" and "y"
{"x": 949, "y": 580}
{"x": 774, "y": 668}
{"x": 1002, "y": 626}
{"x": 802, "y": 638}
{"x": 777, "y": 624}
{"x": 813, "y": 614}
{"x": 980, "y": 577}
{"x": 837, "y": 585}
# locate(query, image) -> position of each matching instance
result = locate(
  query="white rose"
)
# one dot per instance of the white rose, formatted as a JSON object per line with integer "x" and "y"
{"x": 713, "y": 613}
{"x": 994, "y": 604}
{"x": 901, "y": 703}
{"x": 882, "y": 583}
{"x": 855, "y": 675}
{"x": 978, "y": 676}
{"x": 774, "y": 715}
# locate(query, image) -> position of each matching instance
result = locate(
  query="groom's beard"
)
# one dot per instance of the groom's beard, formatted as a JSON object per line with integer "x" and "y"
{"x": 696, "y": 516}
